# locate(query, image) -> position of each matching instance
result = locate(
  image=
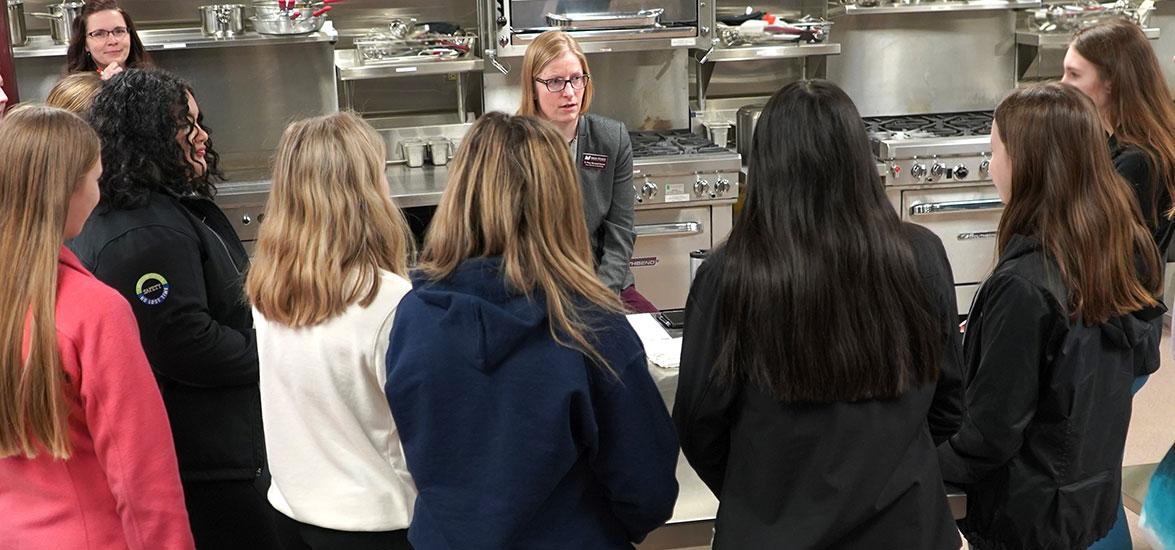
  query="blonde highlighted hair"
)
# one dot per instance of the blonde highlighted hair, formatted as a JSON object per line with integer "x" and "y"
{"x": 45, "y": 154}
{"x": 75, "y": 93}
{"x": 545, "y": 48}
{"x": 513, "y": 193}
{"x": 330, "y": 224}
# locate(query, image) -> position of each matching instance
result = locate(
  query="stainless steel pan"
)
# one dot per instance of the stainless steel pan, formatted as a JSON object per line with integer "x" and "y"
{"x": 605, "y": 20}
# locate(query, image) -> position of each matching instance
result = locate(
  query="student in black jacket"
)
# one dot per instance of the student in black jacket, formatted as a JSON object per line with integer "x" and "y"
{"x": 158, "y": 239}
{"x": 819, "y": 341}
{"x": 1055, "y": 335}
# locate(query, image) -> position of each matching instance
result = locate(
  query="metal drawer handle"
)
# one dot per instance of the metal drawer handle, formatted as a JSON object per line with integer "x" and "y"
{"x": 669, "y": 229}
{"x": 923, "y": 209}
{"x": 970, "y": 236}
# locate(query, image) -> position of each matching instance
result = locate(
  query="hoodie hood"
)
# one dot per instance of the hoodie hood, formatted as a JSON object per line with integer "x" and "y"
{"x": 478, "y": 305}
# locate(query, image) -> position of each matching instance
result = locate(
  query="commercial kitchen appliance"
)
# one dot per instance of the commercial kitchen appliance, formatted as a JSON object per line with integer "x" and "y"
{"x": 685, "y": 189}
{"x": 935, "y": 169}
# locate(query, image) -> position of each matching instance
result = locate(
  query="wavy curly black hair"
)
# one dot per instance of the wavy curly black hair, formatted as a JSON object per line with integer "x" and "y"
{"x": 138, "y": 115}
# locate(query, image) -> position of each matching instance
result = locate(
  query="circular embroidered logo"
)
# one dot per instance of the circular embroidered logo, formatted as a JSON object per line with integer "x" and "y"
{"x": 152, "y": 289}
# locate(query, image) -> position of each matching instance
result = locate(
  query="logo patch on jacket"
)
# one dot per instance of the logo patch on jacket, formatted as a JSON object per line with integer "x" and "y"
{"x": 594, "y": 160}
{"x": 152, "y": 289}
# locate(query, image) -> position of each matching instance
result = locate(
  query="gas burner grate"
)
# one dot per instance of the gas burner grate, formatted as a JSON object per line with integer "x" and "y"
{"x": 937, "y": 125}
{"x": 659, "y": 143}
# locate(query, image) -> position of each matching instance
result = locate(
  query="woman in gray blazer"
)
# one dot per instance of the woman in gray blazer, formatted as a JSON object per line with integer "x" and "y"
{"x": 557, "y": 87}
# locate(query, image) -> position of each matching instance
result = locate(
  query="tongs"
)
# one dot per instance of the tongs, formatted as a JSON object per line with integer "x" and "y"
{"x": 319, "y": 7}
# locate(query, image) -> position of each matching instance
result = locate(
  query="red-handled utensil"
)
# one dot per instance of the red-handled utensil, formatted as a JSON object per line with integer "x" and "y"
{"x": 321, "y": 11}
{"x": 294, "y": 16}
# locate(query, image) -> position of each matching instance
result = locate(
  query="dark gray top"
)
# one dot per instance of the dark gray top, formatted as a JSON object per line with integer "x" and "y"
{"x": 604, "y": 158}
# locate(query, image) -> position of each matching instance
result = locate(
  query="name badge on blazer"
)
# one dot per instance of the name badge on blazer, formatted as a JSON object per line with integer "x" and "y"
{"x": 595, "y": 161}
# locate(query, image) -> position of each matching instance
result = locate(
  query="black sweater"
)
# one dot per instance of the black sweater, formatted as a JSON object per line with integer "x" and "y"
{"x": 839, "y": 475}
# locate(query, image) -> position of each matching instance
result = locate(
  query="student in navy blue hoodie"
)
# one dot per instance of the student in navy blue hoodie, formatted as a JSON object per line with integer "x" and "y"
{"x": 525, "y": 407}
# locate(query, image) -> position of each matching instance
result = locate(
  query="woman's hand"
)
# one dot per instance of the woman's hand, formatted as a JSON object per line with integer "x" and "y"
{"x": 112, "y": 69}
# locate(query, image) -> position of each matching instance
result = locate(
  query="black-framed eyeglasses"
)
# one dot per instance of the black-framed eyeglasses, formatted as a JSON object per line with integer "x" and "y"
{"x": 102, "y": 34}
{"x": 556, "y": 85}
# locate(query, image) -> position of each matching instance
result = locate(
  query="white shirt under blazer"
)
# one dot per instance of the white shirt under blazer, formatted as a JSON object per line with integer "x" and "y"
{"x": 333, "y": 448}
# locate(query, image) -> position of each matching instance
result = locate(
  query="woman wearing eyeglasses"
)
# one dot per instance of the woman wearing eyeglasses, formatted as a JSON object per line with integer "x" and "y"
{"x": 104, "y": 40}
{"x": 557, "y": 87}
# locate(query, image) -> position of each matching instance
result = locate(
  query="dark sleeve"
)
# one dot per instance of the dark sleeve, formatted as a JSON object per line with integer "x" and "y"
{"x": 704, "y": 408}
{"x": 1001, "y": 396}
{"x": 636, "y": 453}
{"x": 184, "y": 343}
{"x": 1134, "y": 166}
{"x": 618, "y": 234}
{"x": 946, "y": 410}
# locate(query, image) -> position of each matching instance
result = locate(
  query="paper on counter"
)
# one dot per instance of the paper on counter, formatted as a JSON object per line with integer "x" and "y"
{"x": 660, "y": 348}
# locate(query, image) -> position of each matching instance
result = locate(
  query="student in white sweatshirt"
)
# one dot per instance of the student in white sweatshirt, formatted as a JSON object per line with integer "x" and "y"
{"x": 328, "y": 274}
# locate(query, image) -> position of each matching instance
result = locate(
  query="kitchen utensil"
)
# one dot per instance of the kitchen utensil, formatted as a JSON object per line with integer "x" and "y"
{"x": 744, "y": 130}
{"x": 719, "y": 131}
{"x": 413, "y": 152}
{"x": 606, "y": 20}
{"x": 278, "y": 24}
{"x": 17, "y": 32}
{"x": 222, "y": 20}
{"x": 61, "y": 18}
{"x": 440, "y": 149}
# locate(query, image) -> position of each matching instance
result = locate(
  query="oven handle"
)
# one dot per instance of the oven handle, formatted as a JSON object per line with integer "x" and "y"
{"x": 677, "y": 229}
{"x": 923, "y": 209}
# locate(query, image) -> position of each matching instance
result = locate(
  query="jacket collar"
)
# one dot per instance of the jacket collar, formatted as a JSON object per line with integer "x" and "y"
{"x": 67, "y": 258}
{"x": 1020, "y": 245}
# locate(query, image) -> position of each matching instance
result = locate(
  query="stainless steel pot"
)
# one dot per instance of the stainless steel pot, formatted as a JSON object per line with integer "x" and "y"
{"x": 222, "y": 20}
{"x": 16, "y": 25}
{"x": 745, "y": 121}
{"x": 61, "y": 18}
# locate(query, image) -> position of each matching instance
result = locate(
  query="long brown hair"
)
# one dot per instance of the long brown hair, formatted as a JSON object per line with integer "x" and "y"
{"x": 513, "y": 192}
{"x": 45, "y": 153}
{"x": 1140, "y": 108}
{"x": 330, "y": 224}
{"x": 77, "y": 59}
{"x": 544, "y": 49}
{"x": 1065, "y": 191}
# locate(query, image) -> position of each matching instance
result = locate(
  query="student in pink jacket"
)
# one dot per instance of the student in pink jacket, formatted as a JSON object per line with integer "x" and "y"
{"x": 86, "y": 458}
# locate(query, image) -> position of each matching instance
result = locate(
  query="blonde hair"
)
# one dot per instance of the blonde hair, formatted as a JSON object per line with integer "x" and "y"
{"x": 45, "y": 153}
{"x": 75, "y": 93}
{"x": 513, "y": 192}
{"x": 330, "y": 223}
{"x": 545, "y": 48}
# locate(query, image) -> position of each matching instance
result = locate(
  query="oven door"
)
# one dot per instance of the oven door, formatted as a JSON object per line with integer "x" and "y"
{"x": 660, "y": 257}
{"x": 528, "y": 15}
{"x": 966, "y": 219}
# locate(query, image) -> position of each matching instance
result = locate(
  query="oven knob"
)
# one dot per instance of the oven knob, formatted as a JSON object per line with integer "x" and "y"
{"x": 246, "y": 219}
{"x": 937, "y": 169}
{"x": 918, "y": 170}
{"x": 649, "y": 190}
{"x": 722, "y": 185}
{"x": 983, "y": 166}
{"x": 961, "y": 172}
{"x": 701, "y": 187}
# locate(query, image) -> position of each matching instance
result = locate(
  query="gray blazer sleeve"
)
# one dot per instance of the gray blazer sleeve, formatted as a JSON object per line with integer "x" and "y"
{"x": 618, "y": 234}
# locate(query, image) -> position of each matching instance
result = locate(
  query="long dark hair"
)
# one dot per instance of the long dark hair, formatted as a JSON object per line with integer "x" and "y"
{"x": 823, "y": 301}
{"x": 1140, "y": 106}
{"x": 1068, "y": 194}
{"x": 138, "y": 114}
{"x": 77, "y": 59}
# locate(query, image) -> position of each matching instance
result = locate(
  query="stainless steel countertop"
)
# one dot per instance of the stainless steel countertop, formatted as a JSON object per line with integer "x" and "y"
{"x": 408, "y": 187}
{"x": 169, "y": 39}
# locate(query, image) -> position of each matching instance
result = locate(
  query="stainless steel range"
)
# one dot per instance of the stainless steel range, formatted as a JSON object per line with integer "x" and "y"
{"x": 685, "y": 188}
{"x": 935, "y": 169}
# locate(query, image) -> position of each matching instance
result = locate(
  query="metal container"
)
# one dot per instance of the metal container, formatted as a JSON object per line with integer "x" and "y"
{"x": 284, "y": 25}
{"x": 222, "y": 20}
{"x": 414, "y": 152}
{"x": 60, "y": 18}
{"x": 16, "y": 25}
{"x": 744, "y": 131}
{"x": 440, "y": 149}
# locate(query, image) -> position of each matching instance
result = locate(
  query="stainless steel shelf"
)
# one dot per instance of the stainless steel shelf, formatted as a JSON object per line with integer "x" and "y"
{"x": 931, "y": 7}
{"x": 350, "y": 70}
{"x": 174, "y": 39}
{"x": 1061, "y": 39}
{"x": 752, "y": 53}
